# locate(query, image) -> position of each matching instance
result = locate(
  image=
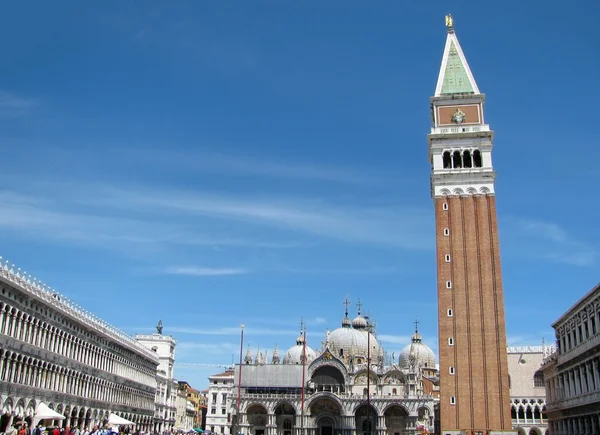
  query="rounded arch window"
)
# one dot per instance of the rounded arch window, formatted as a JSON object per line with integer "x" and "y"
{"x": 328, "y": 375}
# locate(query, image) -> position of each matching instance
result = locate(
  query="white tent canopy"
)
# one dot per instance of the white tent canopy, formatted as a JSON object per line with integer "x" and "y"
{"x": 43, "y": 412}
{"x": 119, "y": 421}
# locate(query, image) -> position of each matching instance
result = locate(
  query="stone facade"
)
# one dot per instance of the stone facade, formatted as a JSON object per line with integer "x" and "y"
{"x": 572, "y": 373}
{"x": 336, "y": 400}
{"x": 53, "y": 351}
{"x": 527, "y": 389}
{"x": 166, "y": 385}
{"x": 218, "y": 416}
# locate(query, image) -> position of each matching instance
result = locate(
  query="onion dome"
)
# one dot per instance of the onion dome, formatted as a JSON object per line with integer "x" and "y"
{"x": 359, "y": 322}
{"x": 294, "y": 355}
{"x": 422, "y": 354}
{"x": 346, "y": 323}
{"x": 348, "y": 342}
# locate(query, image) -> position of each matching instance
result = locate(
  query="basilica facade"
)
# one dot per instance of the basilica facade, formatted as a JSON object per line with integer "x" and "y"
{"x": 347, "y": 387}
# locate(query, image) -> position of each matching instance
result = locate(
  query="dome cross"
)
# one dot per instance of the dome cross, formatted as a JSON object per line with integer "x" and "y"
{"x": 359, "y": 306}
{"x": 416, "y": 322}
{"x": 347, "y": 304}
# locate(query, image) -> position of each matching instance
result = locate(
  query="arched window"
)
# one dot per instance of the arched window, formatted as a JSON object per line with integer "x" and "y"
{"x": 467, "y": 159}
{"x": 341, "y": 352}
{"x": 365, "y": 391}
{"x": 447, "y": 160}
{"x": 538, "y": 379}
{"x": 394, "y": 391}
{"x": 456, "y": 160}
{"x": 477, "y": 159}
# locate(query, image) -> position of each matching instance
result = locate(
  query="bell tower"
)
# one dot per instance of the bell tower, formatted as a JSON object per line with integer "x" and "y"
{"x": 474, "y": 390}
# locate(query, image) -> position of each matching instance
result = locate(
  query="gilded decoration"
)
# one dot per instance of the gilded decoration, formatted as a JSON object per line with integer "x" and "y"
{"x": 325, "y": 406}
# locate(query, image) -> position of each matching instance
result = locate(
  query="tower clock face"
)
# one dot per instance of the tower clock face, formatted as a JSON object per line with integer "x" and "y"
{"x": 459, "y": 117}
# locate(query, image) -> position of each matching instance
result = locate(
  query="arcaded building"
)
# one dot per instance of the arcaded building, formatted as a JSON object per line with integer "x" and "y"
{"x": 572, "y": 373}
{"x": 53, "y": 351}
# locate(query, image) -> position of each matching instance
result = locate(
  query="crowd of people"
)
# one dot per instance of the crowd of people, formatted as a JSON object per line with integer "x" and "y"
{"x": 22, "y": 428}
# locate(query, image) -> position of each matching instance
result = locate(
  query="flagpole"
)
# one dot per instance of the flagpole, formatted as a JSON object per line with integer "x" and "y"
{"x": 369, "y": 374}
{"x": 303, "y": 379}
{"x": 239, "y": 395}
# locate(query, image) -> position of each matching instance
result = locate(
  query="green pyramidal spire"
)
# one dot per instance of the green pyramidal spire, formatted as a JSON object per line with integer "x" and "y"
{"x": 455, "y": 75}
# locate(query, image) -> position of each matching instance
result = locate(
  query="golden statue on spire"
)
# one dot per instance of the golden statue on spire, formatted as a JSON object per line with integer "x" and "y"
{"x": 449, "y": 21}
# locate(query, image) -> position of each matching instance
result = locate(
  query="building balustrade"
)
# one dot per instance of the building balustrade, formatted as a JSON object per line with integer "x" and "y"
{"x": 529, "y": 421}
{"x": 580, "y": 349}
{"x": 584, "y": 399}
{"x": 460, "y": 129}
{"x": 292, "y": 396}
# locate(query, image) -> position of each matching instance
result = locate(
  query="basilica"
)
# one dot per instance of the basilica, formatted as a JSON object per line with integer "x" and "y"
{"x": 351, "y": 387}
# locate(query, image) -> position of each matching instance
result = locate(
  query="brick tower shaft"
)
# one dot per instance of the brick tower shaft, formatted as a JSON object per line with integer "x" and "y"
{"x": 474, "y": 390}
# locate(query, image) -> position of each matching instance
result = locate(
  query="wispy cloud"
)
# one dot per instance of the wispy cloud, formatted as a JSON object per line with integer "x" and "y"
{"x": 205, "y": 271}
{"x": 233, "y": 331}
{"x": 106, "y": 215}
{"x": 559, "y": 247}
{"x": 232, "y": 164}
{"x": 220, "y": 347}
{"x": 394, "y": 339}
{"x": 12, "y": 104}
{"x": 374, "y": 224}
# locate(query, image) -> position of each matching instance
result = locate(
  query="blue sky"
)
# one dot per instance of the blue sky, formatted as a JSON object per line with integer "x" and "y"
{"x": 216, "y": 163}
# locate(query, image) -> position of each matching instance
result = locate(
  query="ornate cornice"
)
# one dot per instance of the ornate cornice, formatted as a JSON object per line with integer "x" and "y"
{"x": 48, "y": 296}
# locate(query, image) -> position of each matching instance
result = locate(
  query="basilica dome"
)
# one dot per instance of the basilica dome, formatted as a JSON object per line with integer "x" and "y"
{"x": 348, "y": 341}
{"x": 422, "y": 353}
{"x": 294, "y": 353}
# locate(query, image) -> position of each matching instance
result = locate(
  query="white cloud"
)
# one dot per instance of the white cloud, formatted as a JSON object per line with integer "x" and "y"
{"x": 206, "y": 271}
{"x": 559, "y": 247}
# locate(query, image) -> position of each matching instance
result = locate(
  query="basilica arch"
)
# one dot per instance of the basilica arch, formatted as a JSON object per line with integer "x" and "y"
{"x": 365, "y": 420}
{"x": 328, "y": 378}
{"x": 285, "y": 418}
{"x": 326, "y": 413}
{"x": 396, "y": 418}
{"x": 258, "y": 418}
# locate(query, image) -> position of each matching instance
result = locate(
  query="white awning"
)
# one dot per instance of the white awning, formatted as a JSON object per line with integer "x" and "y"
{"x": 43, "y": 412}
{"x": 119, "y": 421}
